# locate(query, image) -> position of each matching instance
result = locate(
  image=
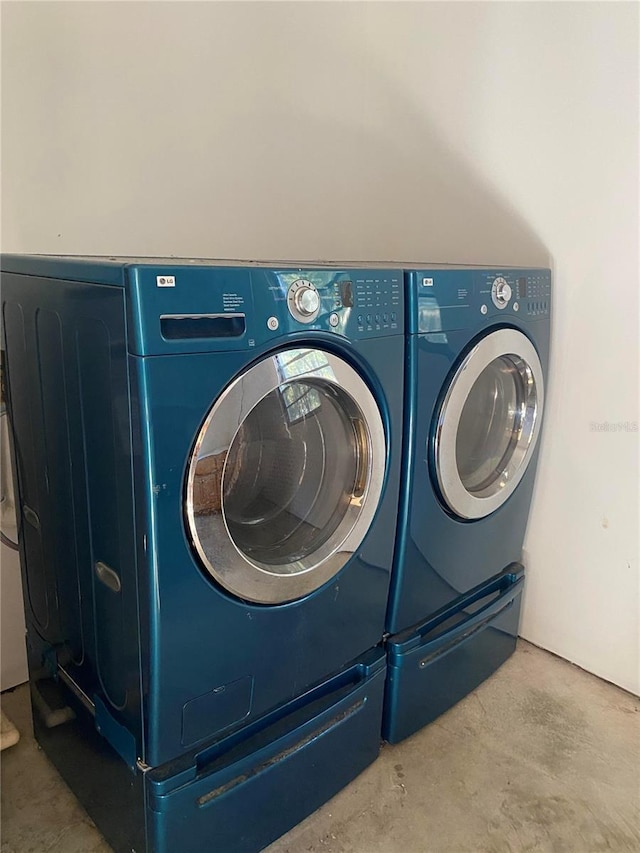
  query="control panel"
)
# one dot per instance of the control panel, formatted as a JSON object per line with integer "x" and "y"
{"x": 534, "y": 292}
{"x": 378, "y": 302}
{"x": 449, "y": 298}
{"x": 525, "y": 292}
{"x": 355, "y": 303}
{"x": 204, "y": 308}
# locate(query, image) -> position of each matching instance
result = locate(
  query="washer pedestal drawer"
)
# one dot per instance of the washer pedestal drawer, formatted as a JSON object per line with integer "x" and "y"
{"x": 234, "y": 795}
{"x": 432, "y": 666}
{"x": 243, "y": 797}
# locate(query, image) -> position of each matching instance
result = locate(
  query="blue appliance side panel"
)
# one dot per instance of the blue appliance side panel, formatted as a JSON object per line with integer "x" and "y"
{"x": 247, "y": 794}
{"x": 436, "y": 664}
{"x": 110, "y": 793}
{"x": 33, "y": 505}
{"x": 67, "y": 374}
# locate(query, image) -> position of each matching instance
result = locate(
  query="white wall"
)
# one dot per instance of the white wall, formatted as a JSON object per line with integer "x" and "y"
{"x": 487, "y": 133}
{"x": 13, "y": 650}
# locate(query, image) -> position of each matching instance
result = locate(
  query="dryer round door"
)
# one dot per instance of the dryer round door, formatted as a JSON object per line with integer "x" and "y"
{"x": 489, "y": 423}
{"x": 285, "y": 476}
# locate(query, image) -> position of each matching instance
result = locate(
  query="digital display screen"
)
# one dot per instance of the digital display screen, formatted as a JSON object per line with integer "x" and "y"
{"x": 522, "y": 288}
{"x": 346, "y": 294}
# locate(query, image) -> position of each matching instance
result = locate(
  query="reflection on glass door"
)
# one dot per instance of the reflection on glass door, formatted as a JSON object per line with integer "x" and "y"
{"x": 489, "y": 424}
{"x": 286, "y": 475}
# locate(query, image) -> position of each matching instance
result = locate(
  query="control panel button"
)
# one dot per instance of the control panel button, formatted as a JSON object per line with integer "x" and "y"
{"x": 516, "y": 306}
{"x": 303, "y": 301}
{"x": 273, "y": 323}
{"x": 500, "y": 292}
{"x": 334, "y": 320}
{"x": 483, "y": 309}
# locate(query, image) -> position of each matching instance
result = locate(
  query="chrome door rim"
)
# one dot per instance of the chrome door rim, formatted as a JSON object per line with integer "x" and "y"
{"x": 507, "y": 343}
{"x": 247, "y": 578}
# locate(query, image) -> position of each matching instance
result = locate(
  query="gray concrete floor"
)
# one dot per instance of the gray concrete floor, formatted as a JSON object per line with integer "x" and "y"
{"x": 542, "y": 757}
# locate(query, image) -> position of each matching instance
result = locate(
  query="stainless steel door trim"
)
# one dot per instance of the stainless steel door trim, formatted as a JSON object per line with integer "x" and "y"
{"x": 229, "y": 566}
{"x": 513, "y": 345}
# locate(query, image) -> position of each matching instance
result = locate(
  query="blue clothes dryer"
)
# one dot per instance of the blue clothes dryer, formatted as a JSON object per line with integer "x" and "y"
{"x": 207, "y": 463}
{"x": 477, "y": 356}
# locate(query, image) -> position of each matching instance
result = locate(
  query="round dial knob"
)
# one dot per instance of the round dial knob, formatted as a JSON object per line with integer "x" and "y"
{"x": 303, "y": 300}
{"x": 500, "y": 292}
{"x": 307, "y": 301}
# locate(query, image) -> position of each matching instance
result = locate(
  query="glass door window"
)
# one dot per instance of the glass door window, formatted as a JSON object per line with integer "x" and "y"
{"x": 489, "y": 423}
{"x": 286, "y": 475}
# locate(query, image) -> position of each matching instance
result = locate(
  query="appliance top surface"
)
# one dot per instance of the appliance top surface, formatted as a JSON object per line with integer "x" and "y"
{"x": 22, "y": 263}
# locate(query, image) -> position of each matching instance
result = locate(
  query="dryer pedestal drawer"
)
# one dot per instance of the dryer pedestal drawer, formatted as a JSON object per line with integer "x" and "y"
{"x": 435, "y": 665}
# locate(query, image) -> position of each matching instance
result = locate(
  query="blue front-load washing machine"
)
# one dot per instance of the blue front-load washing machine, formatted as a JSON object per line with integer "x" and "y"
{"x": 477, "y": 356}
{"x": 208, "y": 461}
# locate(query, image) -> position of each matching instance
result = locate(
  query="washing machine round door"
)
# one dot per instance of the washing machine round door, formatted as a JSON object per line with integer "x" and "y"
{"x": 285, "y": 476}
{"x": 489, "y": 423}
